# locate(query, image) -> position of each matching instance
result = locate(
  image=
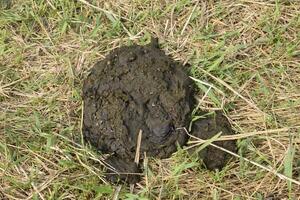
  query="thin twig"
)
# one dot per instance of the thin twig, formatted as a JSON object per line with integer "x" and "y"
{"x": 81, "y": 122}
{"x": 281, "y": 176}
{"x": 207, "y": 84}
{"x": 246, "y": 135}
{"x": 117, "y": 192}
{"x": 137, "y": 154}
{"x": 138, "y": 147}
{"x": 189, "y": 18}
{"x": 231, "y": 89}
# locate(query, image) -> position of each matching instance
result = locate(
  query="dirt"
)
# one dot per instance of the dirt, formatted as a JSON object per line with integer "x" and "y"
{"x": 138, "y": 88}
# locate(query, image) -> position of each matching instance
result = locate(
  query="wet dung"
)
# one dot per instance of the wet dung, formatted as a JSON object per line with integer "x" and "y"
{"x": 139, "y": 88}
{"x": 212, "y": 157}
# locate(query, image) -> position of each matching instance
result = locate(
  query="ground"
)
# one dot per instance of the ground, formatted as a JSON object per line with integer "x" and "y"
{"x": 244, "y": 57}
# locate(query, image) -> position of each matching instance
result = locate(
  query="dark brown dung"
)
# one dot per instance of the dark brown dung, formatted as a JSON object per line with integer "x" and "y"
{"x": 138, "y": 88}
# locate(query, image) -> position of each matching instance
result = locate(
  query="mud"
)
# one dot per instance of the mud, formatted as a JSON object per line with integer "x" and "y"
{"x": 140, "y": 88}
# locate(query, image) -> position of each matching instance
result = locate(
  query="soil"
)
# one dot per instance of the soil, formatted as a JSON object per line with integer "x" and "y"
{"x": 138, "y": 88}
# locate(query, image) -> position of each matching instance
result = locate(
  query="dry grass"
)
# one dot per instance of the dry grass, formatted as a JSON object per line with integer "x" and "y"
{"x": 245, "y": 54}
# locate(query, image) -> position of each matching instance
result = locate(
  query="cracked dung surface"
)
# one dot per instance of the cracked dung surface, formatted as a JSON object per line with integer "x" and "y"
{"x": 137, "y": 88}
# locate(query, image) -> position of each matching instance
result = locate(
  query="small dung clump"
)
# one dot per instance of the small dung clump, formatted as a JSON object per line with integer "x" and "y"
{"x": 140, "y": 89}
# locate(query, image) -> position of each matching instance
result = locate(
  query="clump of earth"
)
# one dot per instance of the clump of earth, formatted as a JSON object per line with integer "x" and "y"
{"x": 138, "y": 90}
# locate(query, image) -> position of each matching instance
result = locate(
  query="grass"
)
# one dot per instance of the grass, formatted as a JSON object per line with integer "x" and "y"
{"x": 245, "y": 55}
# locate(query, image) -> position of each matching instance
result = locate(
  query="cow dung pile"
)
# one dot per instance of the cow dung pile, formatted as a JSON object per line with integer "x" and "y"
{"x": 139, "y": 90}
